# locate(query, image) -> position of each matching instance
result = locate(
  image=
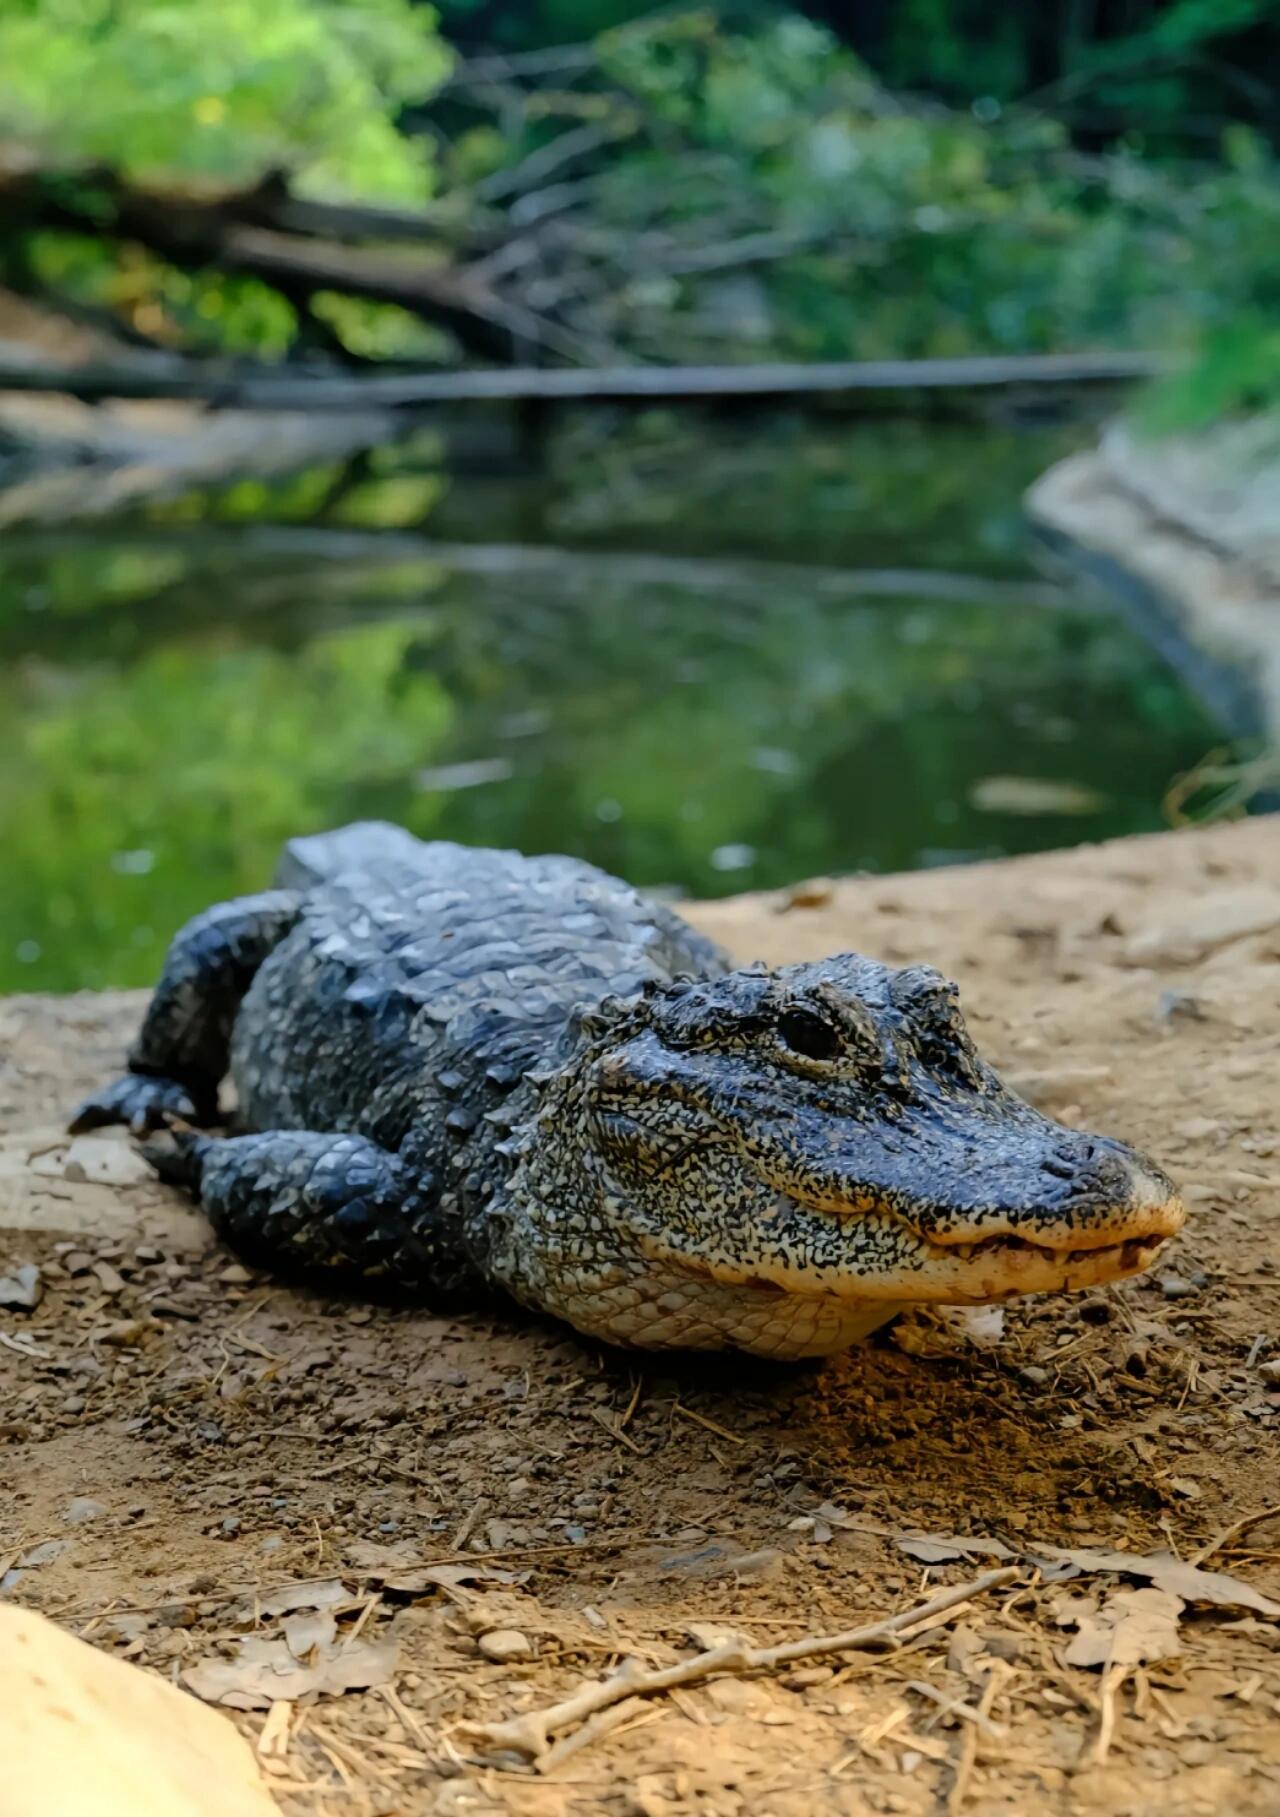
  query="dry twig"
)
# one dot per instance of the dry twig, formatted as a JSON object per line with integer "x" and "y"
{"x": 710, "y": 1425}
{"x": 1112, "y": 1682}
{"x": 1234, "y": 1531}
{"x": 602, "y": 1419}
{"x": 979, "y": 1718}
{"x": 531, "y": 1734}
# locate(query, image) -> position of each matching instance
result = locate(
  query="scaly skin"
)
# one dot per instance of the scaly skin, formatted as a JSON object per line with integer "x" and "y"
{"x": 469, "y": 1070}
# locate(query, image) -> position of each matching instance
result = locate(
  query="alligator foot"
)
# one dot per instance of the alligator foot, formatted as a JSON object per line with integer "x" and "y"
{"x": 143, "y": 1103}
{"x": 176, "y": 1153}
{"x": 301, "y": 1202}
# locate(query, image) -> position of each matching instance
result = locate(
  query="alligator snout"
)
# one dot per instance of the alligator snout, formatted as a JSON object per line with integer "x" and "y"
{"x": 1083, "y": 1194}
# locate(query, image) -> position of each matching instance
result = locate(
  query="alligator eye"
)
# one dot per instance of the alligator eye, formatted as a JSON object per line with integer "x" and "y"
{"x": 809, "y": 1035}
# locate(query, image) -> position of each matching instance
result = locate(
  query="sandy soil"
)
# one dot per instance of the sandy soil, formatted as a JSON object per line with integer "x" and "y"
{"x": 181, "y": 1439}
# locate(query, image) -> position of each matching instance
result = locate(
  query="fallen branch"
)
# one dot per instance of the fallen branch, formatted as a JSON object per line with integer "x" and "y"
{"x": 246, "y": 232}
{"x": 531, "y": 1734}
{"x": 260, "y": 387}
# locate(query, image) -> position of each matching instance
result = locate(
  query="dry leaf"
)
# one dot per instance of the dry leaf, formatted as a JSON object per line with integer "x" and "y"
{"x": 1161, "y": 1569}
{"x": 941, "y": 1549}
{"x": 43, "y": 1554}
{"x": 445, "y": 1577}
{"x": 309, "y": 1631}
{"x": 397, "y": 1568}
{"x": 835, "y": 1516}
{"x": 372, "y": 1559}
{"x": 327, "y": 1593}
{"x": 1132, "y": 1628}
{"x": 264, "y": 1671}
{"x": 450, "y": 1576}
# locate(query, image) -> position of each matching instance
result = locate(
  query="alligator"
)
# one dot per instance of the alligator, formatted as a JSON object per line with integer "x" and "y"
{"x": 458, "y": 1070}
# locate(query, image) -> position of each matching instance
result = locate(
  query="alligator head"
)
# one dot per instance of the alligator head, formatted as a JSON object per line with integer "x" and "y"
{"x": 830, "y": 1128}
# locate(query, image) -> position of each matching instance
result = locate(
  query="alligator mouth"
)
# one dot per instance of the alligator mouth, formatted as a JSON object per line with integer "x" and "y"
{"x": 891, "y": 1259}
{"x": 1132, "y": 1253}
{"x": 1005, "y": 1264}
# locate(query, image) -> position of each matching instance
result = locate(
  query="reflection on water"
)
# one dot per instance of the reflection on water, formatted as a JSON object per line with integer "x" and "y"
{"x": 745, "y": 696}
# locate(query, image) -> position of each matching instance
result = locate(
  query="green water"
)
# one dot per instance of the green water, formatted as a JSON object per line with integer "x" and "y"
{"x": 182, "y": 691}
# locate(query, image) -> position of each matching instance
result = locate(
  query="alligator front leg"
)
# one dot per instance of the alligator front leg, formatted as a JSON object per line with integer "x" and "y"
{"x": 180, "y": 1056}
{"x": 303, "y": 1203}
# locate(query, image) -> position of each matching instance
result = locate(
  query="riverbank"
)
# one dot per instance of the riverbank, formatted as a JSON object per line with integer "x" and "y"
{"x": 183, "y": 1436}
{"x": 1182, "y": 531}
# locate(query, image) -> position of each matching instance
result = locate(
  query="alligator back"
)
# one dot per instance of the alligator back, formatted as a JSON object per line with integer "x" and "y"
{"x": 423, "y": 980}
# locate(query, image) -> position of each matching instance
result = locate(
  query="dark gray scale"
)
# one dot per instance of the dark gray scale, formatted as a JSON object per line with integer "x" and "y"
{"x": 375, "y": 1016}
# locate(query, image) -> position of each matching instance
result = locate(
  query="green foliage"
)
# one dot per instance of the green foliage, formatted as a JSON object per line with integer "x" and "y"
{"x": 203, "y": 309}
{"x": 529, "y": 24}
{"x": 747, "y": 189}
{"x": 1161, "y": 70}
{"x": 1236, "y": 373}
{"x": 784, "y": 204}
{"x": 380, "y": 331}
{"x": 220, "y": 92}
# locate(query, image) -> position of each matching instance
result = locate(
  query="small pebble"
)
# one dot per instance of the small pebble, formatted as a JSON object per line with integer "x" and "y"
{"x": 83, "y": 1508}
{"x": 22, "y": 1289}
{"x": 765, "y": 1563}
{"x": 1198, "y": 1129}
{"x": 124, "y": 1333}
{"x": 164, "y": 1307}
{"x": 503, "y": 1645}
{"x": 815, "y": 892}
{"x": 1034, "y": 1374}
{"x": 235, "y": 1274}
{"x": 1179, "y": 1006}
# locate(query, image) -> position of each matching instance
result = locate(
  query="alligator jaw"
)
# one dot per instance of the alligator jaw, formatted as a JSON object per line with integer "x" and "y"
{"x": 999, "y": 1267}
{"x": 1116, "y": 1242}
{"x": 888, "y": 1258}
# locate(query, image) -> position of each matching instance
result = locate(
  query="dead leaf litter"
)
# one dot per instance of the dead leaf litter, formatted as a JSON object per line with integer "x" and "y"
{"x": 389, "y": 1542}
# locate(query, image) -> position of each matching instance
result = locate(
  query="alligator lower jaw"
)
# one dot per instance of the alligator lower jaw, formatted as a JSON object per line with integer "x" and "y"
{"x": 1000, "y": 1268}
{"x": 1132, "y": 1253}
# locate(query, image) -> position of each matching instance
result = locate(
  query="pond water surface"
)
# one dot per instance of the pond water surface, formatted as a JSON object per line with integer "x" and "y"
{"x": 708, "y": 657}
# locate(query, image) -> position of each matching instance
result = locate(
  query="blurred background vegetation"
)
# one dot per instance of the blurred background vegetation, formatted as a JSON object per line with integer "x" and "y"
{"x": 750, "y": 182}
{"x": 867, "y": 670}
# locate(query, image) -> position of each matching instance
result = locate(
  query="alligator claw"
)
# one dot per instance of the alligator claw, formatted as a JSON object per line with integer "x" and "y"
{"x": 174, "y": 1152}
{"x": 140, "y": 1102}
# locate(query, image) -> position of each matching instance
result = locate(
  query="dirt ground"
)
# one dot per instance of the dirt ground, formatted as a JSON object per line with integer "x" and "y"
{"x": 502, "y": 1510}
